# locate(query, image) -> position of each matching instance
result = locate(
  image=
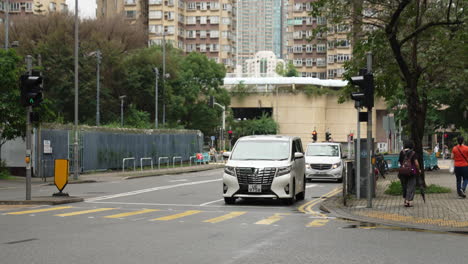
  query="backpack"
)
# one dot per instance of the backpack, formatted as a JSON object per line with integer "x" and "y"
{"x": 407, "y": 167}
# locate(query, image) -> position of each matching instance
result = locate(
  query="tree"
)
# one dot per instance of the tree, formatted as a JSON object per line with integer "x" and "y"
{"x": 288, "y": 71}
{"x": 12, "y": 117}
{"x": 404, "y": 36}
{"x": 265, "y": 125}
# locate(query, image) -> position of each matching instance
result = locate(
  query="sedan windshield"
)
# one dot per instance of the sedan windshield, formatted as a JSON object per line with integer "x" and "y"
{"x": 323, "y": 150}
{"x": 261, "y": 150}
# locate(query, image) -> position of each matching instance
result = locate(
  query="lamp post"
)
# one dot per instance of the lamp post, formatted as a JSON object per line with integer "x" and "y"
{"x": 98, "y": 63}
{"x": 164, "y": 76}
{"x": 156, "y": 72}
{"x": 7, "y": 23}
{"x": 75, "y": 142}
{"x": 122, "y": 97}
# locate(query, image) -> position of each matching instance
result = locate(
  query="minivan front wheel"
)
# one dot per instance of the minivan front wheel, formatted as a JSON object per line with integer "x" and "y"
{"x": 229, "y": 200}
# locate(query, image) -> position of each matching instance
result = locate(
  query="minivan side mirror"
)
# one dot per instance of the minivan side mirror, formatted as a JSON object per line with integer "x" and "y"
{"x": 345, "y": 156}
{"x": 298, "y": 155}
{"x": 226, "y": 154}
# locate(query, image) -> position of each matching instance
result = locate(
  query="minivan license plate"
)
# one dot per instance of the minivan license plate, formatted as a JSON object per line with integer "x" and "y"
{"x": 255, "y": 188}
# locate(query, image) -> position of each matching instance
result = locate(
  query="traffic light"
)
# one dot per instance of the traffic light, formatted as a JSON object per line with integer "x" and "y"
{"x": 31, "y": 90}
{"x": 211, "y": 102}
{"x": 230, "y": 134}
{"x": 314, "y": 136}
{"x": 327, "y": 136}
{"x": 351, "y": 137}
{"x": 365, "y": 97}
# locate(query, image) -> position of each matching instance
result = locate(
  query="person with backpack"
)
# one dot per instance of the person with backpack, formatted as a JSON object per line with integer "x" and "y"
{"x": 460, "y": 158}
{"x": 408, "y": 172}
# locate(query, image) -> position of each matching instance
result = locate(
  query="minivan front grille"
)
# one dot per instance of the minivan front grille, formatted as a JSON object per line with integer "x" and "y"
{"x": 321, "y": 166}
{"x": 255, "y": 175}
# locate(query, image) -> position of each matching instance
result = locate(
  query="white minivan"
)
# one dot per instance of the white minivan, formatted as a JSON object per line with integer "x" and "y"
{"x": 265, "y": 167}
{"x": 324, "y": 161}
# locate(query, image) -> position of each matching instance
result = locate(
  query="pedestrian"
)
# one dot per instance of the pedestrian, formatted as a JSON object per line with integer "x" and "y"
{"x": 436, "y": 149}
{"x": 460, "y": 162}
{"x": 408, "y": 172}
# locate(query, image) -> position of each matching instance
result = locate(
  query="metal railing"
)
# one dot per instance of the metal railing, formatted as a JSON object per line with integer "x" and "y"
{"x": 123, "y": 163}
{"x": 174, "y": 159}
{"x": 141, "y": 162}
{"x": 162, "y": 158}
{"x": 190, "y": 160}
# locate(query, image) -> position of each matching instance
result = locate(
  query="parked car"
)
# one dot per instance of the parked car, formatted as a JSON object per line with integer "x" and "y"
{"x": 265, "y": 167}
{"x": 324, "y": 161}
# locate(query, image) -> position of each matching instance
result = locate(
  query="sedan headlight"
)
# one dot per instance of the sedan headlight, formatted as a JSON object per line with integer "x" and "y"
{"x": 283, "y": 171}
{"x": 229, "y": 170}
{"x": 336, "y": 165}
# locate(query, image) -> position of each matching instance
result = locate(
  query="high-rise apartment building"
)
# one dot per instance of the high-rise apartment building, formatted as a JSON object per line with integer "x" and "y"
{"x": 204, "y": 26}
{"x": 321, "y": 56}
{"x": 27, "y": 7}
{"x": 259, "y": 28}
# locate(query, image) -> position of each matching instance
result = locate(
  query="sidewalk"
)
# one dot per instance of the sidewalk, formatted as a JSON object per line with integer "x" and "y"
{"x": 10, "y": 187}
{"x": 441, "y": 212}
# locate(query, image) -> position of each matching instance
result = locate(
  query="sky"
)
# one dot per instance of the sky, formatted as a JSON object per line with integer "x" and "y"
{"x": 87, "y": 8}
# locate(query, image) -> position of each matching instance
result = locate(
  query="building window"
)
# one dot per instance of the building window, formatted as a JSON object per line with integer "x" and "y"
{"x": 130, "y": 14}
{"x": 153, "y": 14}
{"x": 214, "y": 20}
{"x": 297, "y": 62}
{"x": 191, "y": 6}
{"x": 28, "y": 7}
{"x": 203, "y": 20}
{"x": 202, "y": 33}
{"x": 155, "y": 2}
{"x": 342, "y": 43}
{"x": 130, "y": 2}
{"x": 169, "y": 15}
{"x": 331, "y": 59}
{"x": 226, "y": 21}
{"x": 191, "y": 20}
{"x": 14, "y": 7}
{"x": 321, "y": 48}
{"x": 214, "y": 34}
{"x": 309, "y": 62}
{"x": 309, "y": 48}
{"x": 321, "y": 62}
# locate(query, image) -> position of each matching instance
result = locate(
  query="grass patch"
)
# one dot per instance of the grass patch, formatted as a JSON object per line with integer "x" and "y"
{"x": 395, "y": 189}
{"x": 5, "y": 175}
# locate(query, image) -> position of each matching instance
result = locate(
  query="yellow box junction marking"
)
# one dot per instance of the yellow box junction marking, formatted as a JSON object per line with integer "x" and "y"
{"x": 85, "y": 212}
{"x": 132, "y": 213}
{"x": 272, "y": 219}
{"x": 224, "y": 217}
{"x": 61, "y": 173}
{"x": 176, "y": 216}
{"x": 39, "y": 210}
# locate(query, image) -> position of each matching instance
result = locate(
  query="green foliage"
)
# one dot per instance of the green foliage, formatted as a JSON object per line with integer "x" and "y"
{"x": 395, "y": 189}
{"x": 260, "y": 126}
{"x": 288, "y": 71}
{"x": 241, "y": 90}
{"x": 137, "y": 118}
{"x": 312, "y": 90}
{"x": 12, "y": 117}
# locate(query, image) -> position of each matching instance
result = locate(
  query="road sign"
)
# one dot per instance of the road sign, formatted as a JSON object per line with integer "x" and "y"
{"x": 213, "y": 138}
{"x": 61, "y": 174}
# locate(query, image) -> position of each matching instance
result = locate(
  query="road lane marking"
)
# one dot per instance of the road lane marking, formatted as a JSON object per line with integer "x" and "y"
{"x": 176, "y": 216}
{"x": 132, "y": 213}
{"x": 190, "y": 205}
{"x": 272, "y": 219}
{"x": 318, "y": 223}
{"x": 106, "y": 197}
{"x": 212, "y": 202}
{"x": 224, "y": 217}
{"x": 85, "y": 212}
{"x": 39, "y": 210}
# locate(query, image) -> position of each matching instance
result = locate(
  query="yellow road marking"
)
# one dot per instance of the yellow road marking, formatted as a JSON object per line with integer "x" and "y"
{"x": 176, "y": 216}
{"x": 132, "y": 213}
{"x": 317, "y": 223}
{"x": 310, "y": 206}
{"x": 85, "y": 212}
{"x": 224, "y": 217}
{"x": 302, "y": 207}
{"x": 39, "y": 210}
{"x": 271, "y": 219}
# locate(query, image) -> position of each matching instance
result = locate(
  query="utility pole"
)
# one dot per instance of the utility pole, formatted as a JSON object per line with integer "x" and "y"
{"x": 357, "y": 156}
{"x": 7, "y": 23}
{"x": 75, "y": 141}
{"x": 223, "y": 123}
{"x": 98, "y": 62}
{"x": 39, "y": 138}
{"x": 156, "y": 72}
{"x": 28, "y": 137}
{"x": 164, "y": 77}
{"x": 370, "y": 178}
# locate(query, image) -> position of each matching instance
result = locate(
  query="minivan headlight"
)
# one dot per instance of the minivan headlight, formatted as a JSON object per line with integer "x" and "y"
{"x": 283, "y": 171}
{"x": 307, "y": 166}
{"x": 336, "y": 165}
{"x": 229, "y": 170}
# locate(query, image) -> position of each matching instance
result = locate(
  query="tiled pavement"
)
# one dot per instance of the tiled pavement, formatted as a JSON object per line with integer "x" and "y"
{"x": 440, "y": 212}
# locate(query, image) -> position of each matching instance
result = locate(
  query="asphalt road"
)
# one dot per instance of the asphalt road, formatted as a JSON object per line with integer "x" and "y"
{"x": 183, "y": 219}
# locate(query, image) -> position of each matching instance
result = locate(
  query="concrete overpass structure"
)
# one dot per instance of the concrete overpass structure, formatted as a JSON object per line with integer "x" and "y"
{"x": 299, "y": 113}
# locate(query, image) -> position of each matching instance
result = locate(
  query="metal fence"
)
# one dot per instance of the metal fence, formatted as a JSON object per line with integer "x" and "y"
{"x": 103, "y": 150}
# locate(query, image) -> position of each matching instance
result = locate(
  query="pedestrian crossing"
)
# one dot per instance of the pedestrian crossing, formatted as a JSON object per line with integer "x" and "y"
{"x": 164, "y": 215}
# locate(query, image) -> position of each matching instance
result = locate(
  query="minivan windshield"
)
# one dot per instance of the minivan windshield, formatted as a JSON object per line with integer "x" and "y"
{"x": 261, "y": 150}
{"x": 323, "y": 150}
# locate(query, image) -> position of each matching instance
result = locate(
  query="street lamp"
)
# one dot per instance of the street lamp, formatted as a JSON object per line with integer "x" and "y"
{"x": 156, "y": 72}
{"x": 98, "y": 55}
{"x": 122, "y": 97}
{"x": 7, "y": 23}
{"x": 75, "y": 127}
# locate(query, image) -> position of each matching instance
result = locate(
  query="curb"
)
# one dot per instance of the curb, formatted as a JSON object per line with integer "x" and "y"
{"x": 174, "y": 172}
{"x": 38, "y": 201}
{"x": 345, "y": 214}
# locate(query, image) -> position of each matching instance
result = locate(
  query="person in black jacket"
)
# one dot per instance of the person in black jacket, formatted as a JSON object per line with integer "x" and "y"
{"x": 408, "y": 182}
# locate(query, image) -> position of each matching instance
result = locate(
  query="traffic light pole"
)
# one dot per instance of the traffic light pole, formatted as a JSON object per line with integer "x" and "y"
{"x": 28, "y": 137}
{"x": 224, "y": 124}
{"x": 370, "y": 178}
{"x": 357, "y": 156}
